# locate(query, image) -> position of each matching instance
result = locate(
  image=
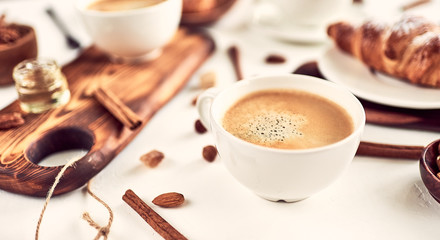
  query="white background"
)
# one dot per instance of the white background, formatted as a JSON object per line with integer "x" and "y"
{"x": 377, "y": 198}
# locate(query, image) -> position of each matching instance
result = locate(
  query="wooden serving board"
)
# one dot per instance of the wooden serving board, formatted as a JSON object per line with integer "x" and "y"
{"x": 85, "y": 124}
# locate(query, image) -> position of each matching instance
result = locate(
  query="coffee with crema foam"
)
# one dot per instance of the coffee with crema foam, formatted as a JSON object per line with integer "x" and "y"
{"x": 121, "y": 5}
{"x": 287, "y": 119}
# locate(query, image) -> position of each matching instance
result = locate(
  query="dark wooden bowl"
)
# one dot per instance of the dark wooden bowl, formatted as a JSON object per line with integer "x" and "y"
{"x": 429, "y": 169}
{"x": 12, "y": 53}
{"x": 204, "y": 12}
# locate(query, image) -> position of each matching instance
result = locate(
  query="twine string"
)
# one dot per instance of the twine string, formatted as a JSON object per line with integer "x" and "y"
{"x": 50, "y": 193}
{"x": 102, "y": 231}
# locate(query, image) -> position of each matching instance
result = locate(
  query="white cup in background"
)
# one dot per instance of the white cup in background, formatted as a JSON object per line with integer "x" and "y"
{"x": 132, "y": 35}
{"x": 311, "y": 13}
{"x": 279, "y": 174}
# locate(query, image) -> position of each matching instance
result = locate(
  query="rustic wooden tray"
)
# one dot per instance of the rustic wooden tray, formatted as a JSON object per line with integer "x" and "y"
{"x": 85, "y": 124}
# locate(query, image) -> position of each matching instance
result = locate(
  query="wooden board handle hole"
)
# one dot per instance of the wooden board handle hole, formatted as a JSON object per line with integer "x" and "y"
{"x": 66, "y": 142}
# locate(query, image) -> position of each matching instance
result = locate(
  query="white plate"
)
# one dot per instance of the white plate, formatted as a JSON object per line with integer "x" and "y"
{"x": 344, "y": 69}
{"x": 268, "y": 20}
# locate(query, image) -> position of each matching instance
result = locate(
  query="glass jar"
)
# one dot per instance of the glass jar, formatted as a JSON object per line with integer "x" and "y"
{"x": 40, "y": 85}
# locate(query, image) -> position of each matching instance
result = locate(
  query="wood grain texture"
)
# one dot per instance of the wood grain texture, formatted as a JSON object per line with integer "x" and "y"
{"x": 84, "y": 123}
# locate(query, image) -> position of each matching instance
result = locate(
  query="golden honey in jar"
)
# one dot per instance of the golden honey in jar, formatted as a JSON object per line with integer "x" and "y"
{"x": 40, "y": 85}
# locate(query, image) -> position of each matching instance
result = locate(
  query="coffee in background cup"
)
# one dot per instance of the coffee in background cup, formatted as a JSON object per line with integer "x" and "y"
{"x": 121, "y": 5}
{"x": 284, "y": 173}
{"x": 131, "y": 31}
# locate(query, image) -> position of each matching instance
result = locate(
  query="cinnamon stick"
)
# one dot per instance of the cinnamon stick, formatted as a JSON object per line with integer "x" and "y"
{"x": 159, "y": 224}
{"x": 414, "y": 4}
{"x": 117, "y": 108}
{"x": 389, "y": 150}
{"x": 234, "y": 55}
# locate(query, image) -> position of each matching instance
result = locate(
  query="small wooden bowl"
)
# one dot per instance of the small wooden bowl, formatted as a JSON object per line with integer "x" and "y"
{"x": 12, "y": 53}
{"x": 429, "y": 169}
{"x": 204, "y": 12}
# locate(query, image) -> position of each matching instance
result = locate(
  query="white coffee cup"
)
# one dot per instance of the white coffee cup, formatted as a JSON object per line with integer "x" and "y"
{"x": 135, "y": 34}
{"x": 311, "y": 13}
{"x": 278, "y": 174}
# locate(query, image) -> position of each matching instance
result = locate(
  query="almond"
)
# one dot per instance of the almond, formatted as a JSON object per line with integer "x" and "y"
{"x": 208, "y": 80}
{"x": 152, "y": 158}
{"x": 169, "y": 200}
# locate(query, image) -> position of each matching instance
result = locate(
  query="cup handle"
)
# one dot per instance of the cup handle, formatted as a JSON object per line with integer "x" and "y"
{"x": 204, "y": 102}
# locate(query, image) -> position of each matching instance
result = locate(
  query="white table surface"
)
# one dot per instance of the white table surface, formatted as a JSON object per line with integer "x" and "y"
{"x": 376, "y": 198}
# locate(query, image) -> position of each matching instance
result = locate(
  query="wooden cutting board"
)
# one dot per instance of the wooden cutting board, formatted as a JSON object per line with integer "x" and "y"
{"x": 85, "y": 124}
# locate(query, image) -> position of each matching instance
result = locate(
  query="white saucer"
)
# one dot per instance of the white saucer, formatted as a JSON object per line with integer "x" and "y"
{"x": 268, "y": 19}
{"x": 344, "y": 69}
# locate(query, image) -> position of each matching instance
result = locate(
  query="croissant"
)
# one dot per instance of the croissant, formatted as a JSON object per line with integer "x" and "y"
{"x": 408, "y": 49}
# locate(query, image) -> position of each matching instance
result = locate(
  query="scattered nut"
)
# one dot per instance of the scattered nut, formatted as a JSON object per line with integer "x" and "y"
{"x": 9, "y": 33}
{"x": 209, "y": 153}
{"x": 152, "y": 159}
{"x": 438, "y": 161}
{"x": 11, "y": 120}
{"x": 194, "y": 101}
{"x": 275, "y": 59}
{"x": 169, "y": 200}
{"x": 208, "y": 80}
{"x": 198, "y": 125}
